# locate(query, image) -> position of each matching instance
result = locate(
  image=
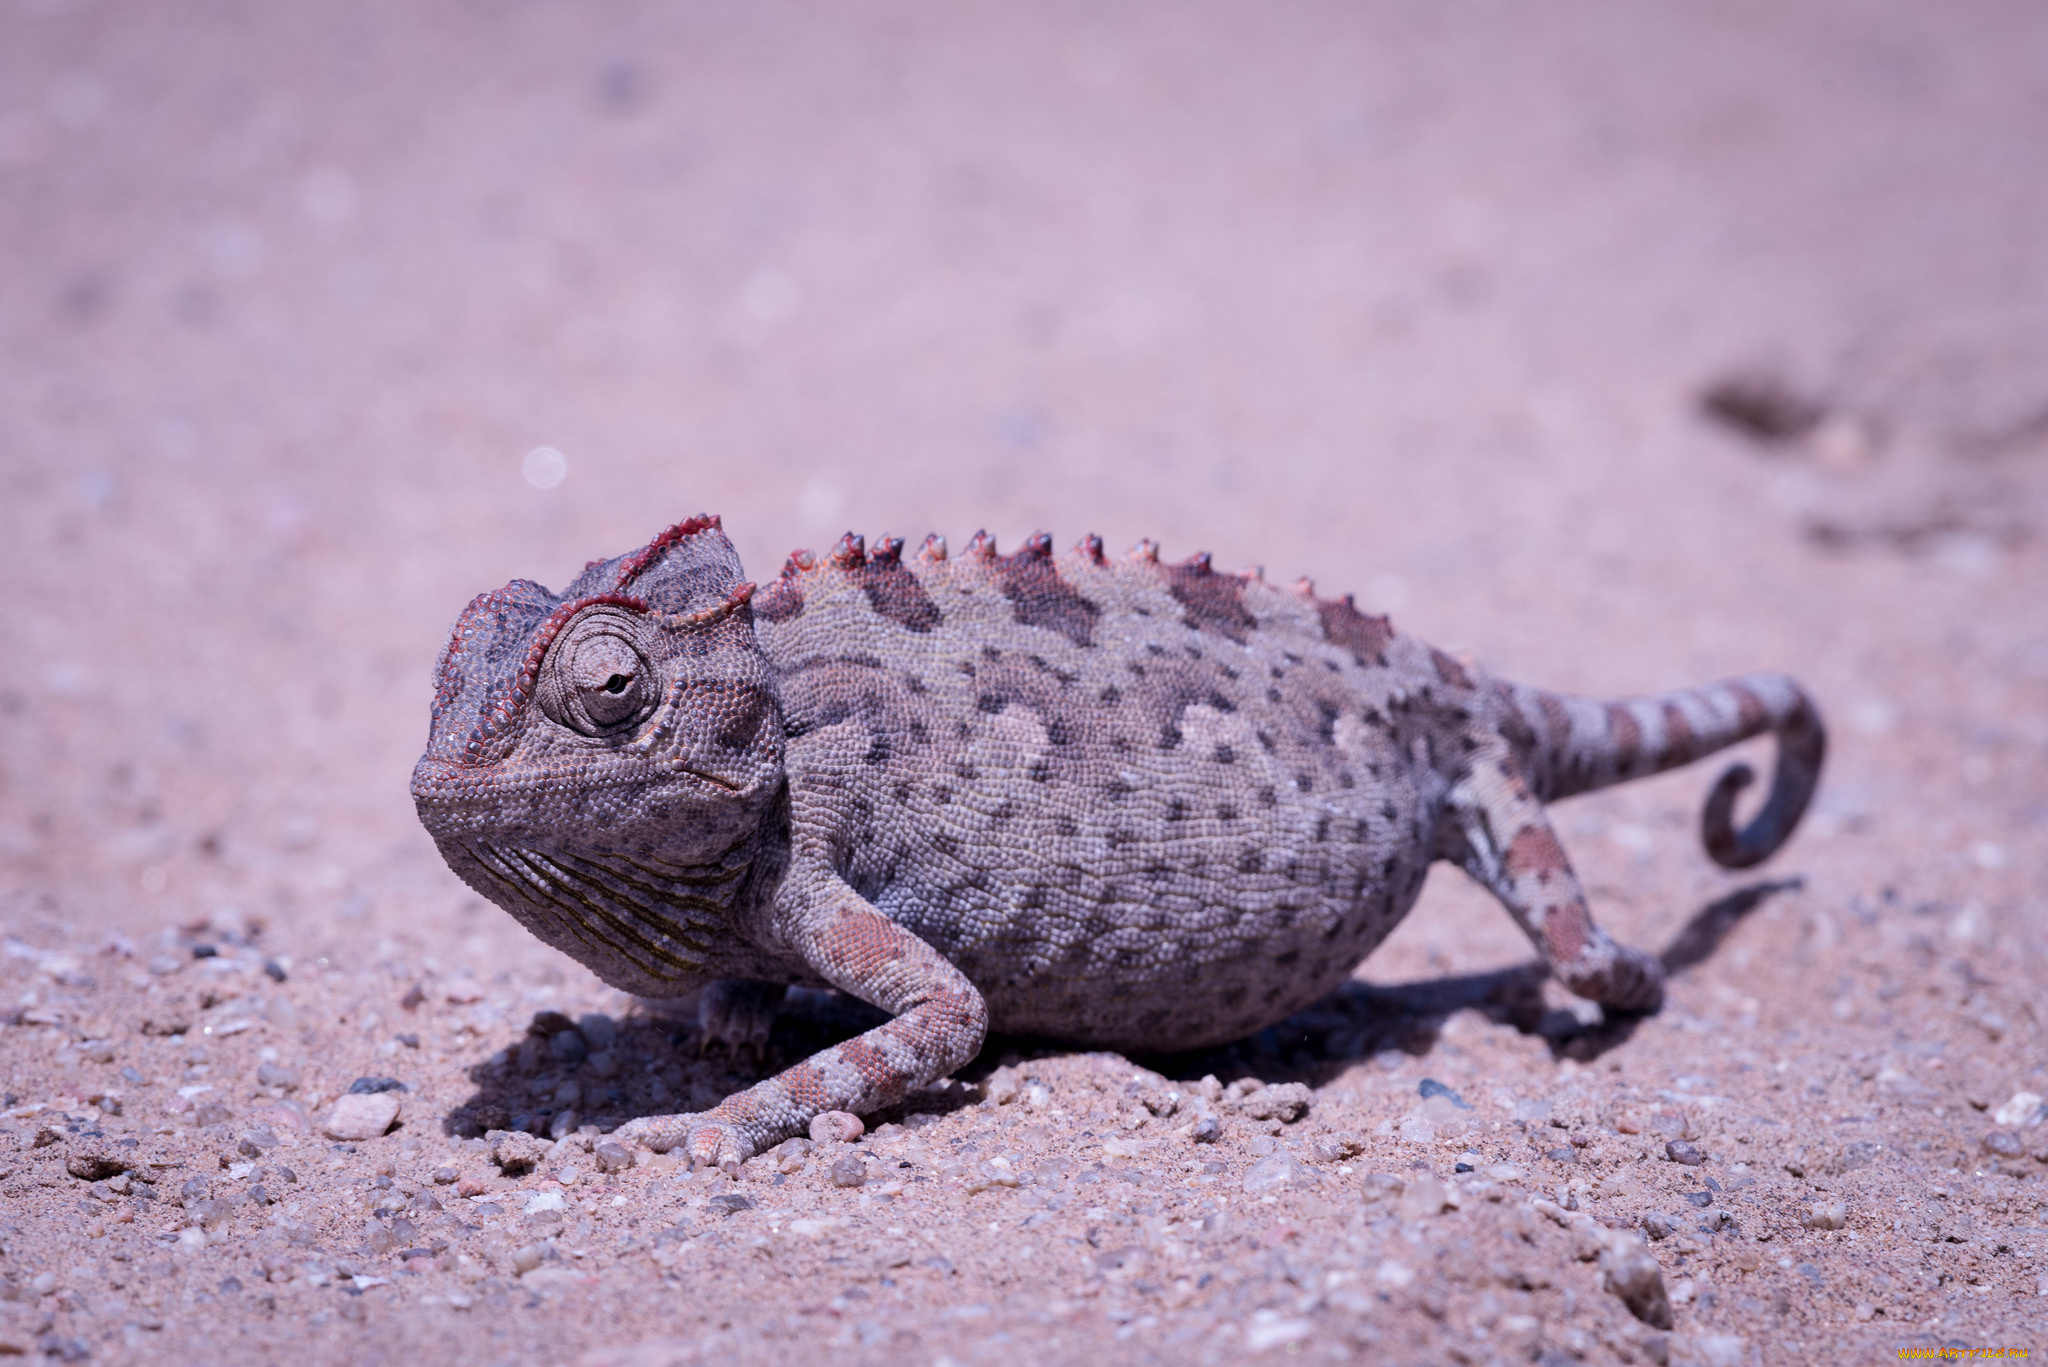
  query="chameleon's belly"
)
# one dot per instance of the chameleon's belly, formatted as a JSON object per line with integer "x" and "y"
{"x": 1077, "y": 925}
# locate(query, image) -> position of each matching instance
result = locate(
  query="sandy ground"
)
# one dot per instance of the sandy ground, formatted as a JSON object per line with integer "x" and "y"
{"x": 1419, "y": 299}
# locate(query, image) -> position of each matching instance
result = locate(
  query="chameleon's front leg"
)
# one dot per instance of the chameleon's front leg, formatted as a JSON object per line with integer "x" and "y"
{"x": 940, "y": 1020}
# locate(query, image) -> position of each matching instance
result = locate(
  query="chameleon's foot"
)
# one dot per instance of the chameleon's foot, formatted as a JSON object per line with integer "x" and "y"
{"x": 738, "y": 1013}
{"x": 1620, "y": 977}
{"x": 705, "y": 1143}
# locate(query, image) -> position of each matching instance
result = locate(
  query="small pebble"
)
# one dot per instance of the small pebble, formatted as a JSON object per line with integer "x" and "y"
{"x": 613, "y": 1156}
{"x": 849, "y": 1171}
{"x": 361, "y": 1115}
{"x": 1679, "y": 1151}
{"x": 1278, "y": 1169}
{"x": 1423, "y": 1196}
{"x": 444, "y": 1176}
{"x": 2003, "y": 1144}
{"x": 841, "y": 1126}
{"x": 279, "y": 1075}
{"x": 1630, "y": 1272}
{"x": 1828, "y": 1215}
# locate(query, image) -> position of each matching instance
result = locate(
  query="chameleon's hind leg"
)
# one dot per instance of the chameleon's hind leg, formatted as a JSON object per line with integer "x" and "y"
{"x": 1500, "y": 835}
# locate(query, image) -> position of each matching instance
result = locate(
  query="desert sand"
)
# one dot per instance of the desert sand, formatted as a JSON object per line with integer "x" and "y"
{"x": 1616, "y": 347}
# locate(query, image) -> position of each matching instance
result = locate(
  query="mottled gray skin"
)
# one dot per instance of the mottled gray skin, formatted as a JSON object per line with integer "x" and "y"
{"x": 1133, "y": 805}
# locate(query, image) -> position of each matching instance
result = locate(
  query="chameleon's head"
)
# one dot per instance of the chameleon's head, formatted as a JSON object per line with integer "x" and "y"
{"x": 630, "y": 719}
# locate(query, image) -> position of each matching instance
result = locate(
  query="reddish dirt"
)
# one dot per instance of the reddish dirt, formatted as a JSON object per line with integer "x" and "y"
{"x": 1618, "y": 347}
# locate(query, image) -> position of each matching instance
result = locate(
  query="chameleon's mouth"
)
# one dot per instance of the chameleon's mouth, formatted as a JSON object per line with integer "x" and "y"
{"x": 458, "y": 783}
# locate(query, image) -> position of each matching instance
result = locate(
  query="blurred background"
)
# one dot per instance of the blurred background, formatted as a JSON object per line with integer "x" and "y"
{"x": 1618, "y": 345}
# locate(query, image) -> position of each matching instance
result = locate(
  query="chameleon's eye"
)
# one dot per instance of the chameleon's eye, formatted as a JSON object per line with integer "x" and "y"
{"x": 596, "y": 680}
{"x": 611, "y": 680}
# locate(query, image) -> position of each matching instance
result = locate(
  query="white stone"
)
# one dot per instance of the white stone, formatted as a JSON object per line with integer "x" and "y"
{"x": 2023, "y": 1109}
{"x": 361, "y": 1115}
{"x": 1268, "y": 1330}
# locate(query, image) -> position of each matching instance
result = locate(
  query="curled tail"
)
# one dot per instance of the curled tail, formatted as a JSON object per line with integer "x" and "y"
{"x": 1574, "y": 745}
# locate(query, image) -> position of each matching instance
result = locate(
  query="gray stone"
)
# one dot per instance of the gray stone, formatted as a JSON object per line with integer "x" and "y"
{"x": 1286, "y": 1102}
{"x": 1630, "y": 1272}
{"x": 514, "y": 1150}
{"x": 278, "y": 1075}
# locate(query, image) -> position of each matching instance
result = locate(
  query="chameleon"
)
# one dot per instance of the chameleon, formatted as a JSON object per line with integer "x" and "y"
{"x": 1126, "y": 804}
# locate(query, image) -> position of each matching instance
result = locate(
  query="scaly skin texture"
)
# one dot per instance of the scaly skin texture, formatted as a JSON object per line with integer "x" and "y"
{"x": 1131, "y": 805}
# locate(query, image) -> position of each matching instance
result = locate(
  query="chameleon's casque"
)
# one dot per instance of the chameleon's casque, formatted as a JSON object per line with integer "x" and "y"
{"x": 1130, "y": 804}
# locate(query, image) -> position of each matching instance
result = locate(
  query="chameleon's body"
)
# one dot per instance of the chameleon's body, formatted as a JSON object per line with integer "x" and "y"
{"x": 1134, "y": 805}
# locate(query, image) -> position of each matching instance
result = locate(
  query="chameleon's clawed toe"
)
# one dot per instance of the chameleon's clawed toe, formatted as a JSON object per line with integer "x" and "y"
{"x": 1624, "y": 979}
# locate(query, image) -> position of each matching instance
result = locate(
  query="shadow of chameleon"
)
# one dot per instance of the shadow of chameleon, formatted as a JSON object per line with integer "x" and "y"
{"x": 1362, "y": 1019}
{"x": 646, "y": 1065}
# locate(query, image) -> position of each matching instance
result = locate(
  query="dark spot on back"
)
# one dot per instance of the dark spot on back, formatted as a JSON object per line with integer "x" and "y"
{"x": 896, "y": 595}
{"x": 1345, "y": 627}
{"x": 1040, "y": 598}
{"x": 1449, "y": 670}
{"x": 1213, "y": 602}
